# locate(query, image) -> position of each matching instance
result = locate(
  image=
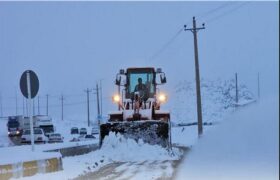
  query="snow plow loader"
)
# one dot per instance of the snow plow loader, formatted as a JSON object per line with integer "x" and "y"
{"x": 139, "y": 114}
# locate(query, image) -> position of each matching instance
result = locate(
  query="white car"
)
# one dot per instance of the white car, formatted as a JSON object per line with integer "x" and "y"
{"x": 39, "y": 136}
{"x": 83, "y": 131}
{"x": 94, "y": 130}
{"x": 55, "y": 137}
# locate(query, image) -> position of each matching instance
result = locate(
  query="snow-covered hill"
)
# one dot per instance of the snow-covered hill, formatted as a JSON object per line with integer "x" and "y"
{"x": 218, "y": 98}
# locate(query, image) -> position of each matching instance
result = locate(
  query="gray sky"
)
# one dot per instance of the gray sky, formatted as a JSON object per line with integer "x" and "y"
{"x": 72, "y": 45}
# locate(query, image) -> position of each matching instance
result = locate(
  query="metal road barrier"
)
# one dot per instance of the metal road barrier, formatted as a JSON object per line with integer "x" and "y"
{"x": 30, "y": 168}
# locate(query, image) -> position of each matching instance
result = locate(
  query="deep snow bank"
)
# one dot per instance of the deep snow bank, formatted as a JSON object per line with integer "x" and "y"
{"x": 246, "y": 146}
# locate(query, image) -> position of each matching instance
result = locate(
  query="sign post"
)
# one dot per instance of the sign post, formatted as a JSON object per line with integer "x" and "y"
{"x": 29, "y": 86}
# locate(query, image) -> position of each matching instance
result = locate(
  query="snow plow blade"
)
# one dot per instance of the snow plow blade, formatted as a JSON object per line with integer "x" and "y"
{"x": 153, "y": 132}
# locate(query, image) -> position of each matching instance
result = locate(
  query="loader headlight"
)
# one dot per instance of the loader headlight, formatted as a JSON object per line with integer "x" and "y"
{"x": 162, "y": 98}
{"x": 116, "y": 98}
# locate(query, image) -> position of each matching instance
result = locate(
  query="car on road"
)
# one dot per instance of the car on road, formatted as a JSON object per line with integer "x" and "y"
{"x": 83, "y": 131}
{"x": 55, "y": 137}
{"x": 86, "y": 137}
{"x": 95, "y": 130}
{"x": 89, "y": 137}
{"x": 39, "y": 136}
{"x": 74, "y": 130}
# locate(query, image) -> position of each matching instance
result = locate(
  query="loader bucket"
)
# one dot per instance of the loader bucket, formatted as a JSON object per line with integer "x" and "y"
{"x": 150, "y": 131}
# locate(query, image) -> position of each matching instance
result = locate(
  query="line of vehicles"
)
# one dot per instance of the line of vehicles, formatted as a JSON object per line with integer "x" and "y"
{"x": 17, "y": 124}
{"x": 44, "y": 130}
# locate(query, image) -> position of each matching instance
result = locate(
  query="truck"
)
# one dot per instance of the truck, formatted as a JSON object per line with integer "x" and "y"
{"x": 15, "y": 126}
{"x": 44, "y": 122}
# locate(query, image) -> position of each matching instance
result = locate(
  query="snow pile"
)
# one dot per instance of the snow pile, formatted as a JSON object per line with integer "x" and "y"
{"x": 138, "y": 160}
{"x": 118, "y": 148}
{"x": 246, "y": 146}
{"x": 218, "y": 98}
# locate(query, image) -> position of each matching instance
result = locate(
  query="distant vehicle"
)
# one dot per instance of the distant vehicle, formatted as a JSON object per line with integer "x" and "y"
{"x": 86, "y": 137}
{"x": 83, "y": 131}
{"x": 44, "y": 122}
{"x": 95, "y": 130}
{"x": 39, "y": 136}
{"x": 55, "y": 137}
{"x": 89, "y": 136}
{"x": 14, "y": 126}
{"x": 74, "y": 130}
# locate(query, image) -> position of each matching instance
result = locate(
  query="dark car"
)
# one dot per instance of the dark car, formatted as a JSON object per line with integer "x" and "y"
{"x": 83, "y": 131}
{"x": 86, "y": 137}
{"x": 74, "y": 130}
{"x": 89, "y": 136}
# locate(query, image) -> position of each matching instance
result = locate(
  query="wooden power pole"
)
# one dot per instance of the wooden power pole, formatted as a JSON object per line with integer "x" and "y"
{"x": 47, "y": 104}
{"x": 62, "y": 101}
{"x": 194, "y": 30}
{"x": 98, "y": 107}
{"x": 88, "y": 117}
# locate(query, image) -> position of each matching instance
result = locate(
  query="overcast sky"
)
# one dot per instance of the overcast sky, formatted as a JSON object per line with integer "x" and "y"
{"x": 72, "y": 45}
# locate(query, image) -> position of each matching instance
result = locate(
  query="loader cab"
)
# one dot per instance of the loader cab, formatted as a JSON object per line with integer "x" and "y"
{"x": 147, "y": 75}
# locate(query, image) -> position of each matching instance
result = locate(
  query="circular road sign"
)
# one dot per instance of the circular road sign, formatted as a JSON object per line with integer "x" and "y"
{"x": 34, "y": 83}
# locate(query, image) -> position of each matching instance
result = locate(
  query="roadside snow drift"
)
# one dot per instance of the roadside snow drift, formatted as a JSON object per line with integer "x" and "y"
{"x": 139, "y": 160}
{"x": 246, "y": 146}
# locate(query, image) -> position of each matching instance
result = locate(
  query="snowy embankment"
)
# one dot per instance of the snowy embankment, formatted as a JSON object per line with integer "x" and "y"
{"x": 245, "y": 146}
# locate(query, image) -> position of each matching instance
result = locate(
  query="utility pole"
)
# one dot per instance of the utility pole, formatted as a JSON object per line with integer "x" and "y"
{"x": 236, "y": 89}
{"x": 88, "y": 119}
{"x": 38, "y": 105}
{"x": 101, "y": 98}
{"x": 62, "y": 99}
{"x": 194, "y": 30}
{"x": 98, "y": 108}
{"x": 1, "y": 108}
{"x": 258, "y": 85}
{"x": 16, "y": 102}
{"x": 47, "y": 104}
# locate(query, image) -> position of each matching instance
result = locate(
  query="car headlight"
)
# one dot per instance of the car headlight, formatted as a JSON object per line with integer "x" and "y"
{"x": 116, "y": 98}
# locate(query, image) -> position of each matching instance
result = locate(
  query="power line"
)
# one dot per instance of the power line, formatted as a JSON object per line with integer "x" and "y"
{"x": 154, "y": 56}
{"x": 226, "y": 13}
{"x": 173, "y": 38}
{"x": 211, "y": 11}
